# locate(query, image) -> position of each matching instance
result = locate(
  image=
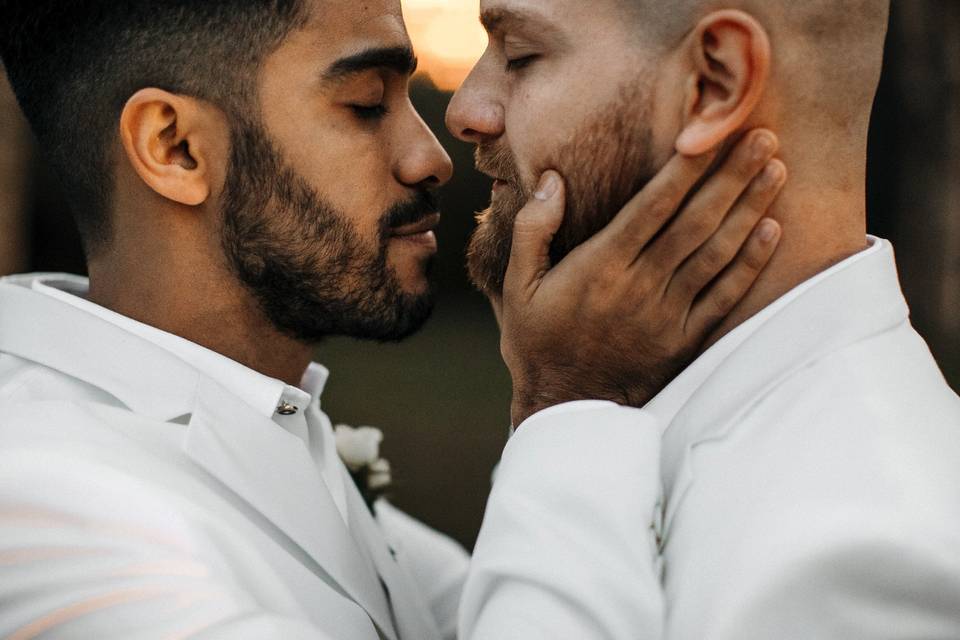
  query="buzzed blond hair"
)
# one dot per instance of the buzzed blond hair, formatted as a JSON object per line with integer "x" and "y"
{"x": 827, "y": 54}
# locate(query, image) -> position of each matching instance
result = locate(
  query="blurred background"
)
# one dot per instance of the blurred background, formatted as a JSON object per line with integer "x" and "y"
{"x": 442, "y": 398}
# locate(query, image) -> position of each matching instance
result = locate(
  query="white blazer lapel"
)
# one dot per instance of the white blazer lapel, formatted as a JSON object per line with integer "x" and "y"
{"x": 411, "y": 613}
{"x": 272, "y": 470}
{"x": 857, "y": 302}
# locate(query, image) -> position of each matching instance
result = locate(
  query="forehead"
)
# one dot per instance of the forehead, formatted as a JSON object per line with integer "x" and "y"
{"x": 560, "y": 14}
{"x": 345, "y": 26}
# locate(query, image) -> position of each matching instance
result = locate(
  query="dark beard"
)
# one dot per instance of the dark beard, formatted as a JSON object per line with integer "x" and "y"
{"x": 305, "y": 265}
{"x": 605, "y": 163}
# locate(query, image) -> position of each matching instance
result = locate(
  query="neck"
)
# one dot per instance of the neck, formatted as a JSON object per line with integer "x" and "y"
{"x": 820, "y": 227}
{"x": 214, "y": 312}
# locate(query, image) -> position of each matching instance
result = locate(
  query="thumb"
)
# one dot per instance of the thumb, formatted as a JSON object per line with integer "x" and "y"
{"x": 533, "y": 231}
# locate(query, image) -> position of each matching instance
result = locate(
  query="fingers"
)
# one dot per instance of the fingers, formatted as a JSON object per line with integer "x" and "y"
{"x": 702, "y": 216}
{"x": 648, "y": 211}
{"x": 533, "y": 231}
{"x": 714, "y": 256}
{"x": 730, "y": 288}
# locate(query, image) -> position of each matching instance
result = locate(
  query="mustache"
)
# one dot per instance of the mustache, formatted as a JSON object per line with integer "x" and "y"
{"x": 421, "y": 205}
{"x": 496, "y": 159}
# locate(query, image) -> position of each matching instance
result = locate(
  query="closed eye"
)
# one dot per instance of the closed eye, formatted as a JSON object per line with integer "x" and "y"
{"x": 369, "y": 112}
{"x": 520, "y": 63}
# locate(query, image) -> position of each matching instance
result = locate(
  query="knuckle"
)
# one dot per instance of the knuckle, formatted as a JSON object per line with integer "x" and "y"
{"x": 689, "y": 288}
{"x": 525, "y": 225}
{"x": 724, "y": 300}
{"x": 662, "y": 205}
{"x": 714, "y": 256}
{"x": 703, "y": 226}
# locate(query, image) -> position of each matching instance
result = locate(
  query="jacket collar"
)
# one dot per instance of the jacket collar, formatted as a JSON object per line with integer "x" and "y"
{"x": 272, "y": 470}
{"x": 75, "y": 342}
{"x": 266, "y": 466}
{"x": 851, "y": 305}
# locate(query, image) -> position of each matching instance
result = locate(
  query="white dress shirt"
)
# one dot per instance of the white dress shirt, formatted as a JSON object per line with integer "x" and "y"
{"x": 261, "y": 392}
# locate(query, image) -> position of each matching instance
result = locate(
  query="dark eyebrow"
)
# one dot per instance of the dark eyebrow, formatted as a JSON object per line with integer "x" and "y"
{"x": 399, "y": 59}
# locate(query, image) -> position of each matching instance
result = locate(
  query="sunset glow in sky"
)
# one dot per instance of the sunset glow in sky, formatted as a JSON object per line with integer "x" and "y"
{"x": 447, "y": 36}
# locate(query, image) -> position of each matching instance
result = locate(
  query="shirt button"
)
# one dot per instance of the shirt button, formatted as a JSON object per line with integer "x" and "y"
{"x": 286, "y": 409}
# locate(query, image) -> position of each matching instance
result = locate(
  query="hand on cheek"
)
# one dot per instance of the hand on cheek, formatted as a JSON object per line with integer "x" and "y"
{"x": 627, "y": 310}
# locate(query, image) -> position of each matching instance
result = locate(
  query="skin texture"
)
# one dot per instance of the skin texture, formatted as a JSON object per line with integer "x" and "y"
{"x": 167, "y": 265}
{"x": 602, "y": 178}
{"x": 711, "y": 73}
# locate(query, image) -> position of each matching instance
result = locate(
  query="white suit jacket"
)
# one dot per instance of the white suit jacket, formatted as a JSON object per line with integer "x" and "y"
{"x": 141, "y": 499}
{"x": 808, "y": 487}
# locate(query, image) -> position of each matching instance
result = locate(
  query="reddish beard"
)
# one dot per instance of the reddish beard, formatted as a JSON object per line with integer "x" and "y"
{"x": 607, "y": 160}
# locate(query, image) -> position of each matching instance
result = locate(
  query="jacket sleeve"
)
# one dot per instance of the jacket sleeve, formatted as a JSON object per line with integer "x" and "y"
{"x": 85, "y": 552}
{"x": 568, "y": 546}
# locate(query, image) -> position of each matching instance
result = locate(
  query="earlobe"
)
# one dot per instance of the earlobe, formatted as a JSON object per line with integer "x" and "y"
{"x": 730, "y": 63}
{"x": 159, "y": 140}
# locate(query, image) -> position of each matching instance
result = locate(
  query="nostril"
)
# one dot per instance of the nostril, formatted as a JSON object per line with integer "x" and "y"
{"x": 471, "y": 134}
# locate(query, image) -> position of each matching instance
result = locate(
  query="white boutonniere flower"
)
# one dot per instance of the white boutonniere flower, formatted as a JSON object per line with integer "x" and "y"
{"x": 359, "y": 448}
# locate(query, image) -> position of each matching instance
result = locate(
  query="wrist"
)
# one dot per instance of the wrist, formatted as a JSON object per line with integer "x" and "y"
{"x": 531, "y": 399}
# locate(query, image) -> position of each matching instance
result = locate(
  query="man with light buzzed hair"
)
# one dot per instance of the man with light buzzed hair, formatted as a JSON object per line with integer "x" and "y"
{"x": 801, "y": 479}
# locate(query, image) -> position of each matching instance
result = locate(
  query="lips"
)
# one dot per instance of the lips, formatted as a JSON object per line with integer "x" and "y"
{"x": 424, "y": 225}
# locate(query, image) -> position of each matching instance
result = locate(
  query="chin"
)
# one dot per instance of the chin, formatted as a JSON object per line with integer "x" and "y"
{"x": 413, "y": 274}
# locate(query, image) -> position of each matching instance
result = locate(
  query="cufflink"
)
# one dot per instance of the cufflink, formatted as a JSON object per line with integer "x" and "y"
{"x": 286, "y": 409}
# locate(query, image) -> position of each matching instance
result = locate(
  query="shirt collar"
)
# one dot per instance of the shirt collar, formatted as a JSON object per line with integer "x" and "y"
{"x": 261, "y": 392}
{"x": 667, "y": 404}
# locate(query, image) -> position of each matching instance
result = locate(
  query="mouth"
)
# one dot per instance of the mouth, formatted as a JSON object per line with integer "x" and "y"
{"x": 421, "y": 232}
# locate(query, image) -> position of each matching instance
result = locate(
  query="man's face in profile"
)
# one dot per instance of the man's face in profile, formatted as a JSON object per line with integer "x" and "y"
{"x": 564, "y": 85}
{"x": 329, "y": 206}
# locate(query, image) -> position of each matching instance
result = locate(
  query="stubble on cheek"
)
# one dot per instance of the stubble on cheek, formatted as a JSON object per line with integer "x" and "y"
{"x": 604, "y": 162}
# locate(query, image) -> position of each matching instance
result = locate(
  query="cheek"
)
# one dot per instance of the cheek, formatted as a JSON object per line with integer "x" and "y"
{"x": 351, "y": 174}
{"x": 532, "y": 135}
{"x": 542, "y": 119}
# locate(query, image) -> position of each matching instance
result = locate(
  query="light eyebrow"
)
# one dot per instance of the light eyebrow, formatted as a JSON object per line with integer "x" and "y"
{"x": 500, "y": 19}
{"x": 399, "y": 59}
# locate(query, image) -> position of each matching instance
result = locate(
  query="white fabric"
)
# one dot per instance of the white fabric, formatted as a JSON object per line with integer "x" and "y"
{"x": 261, "y": 392}
{"x": 567, "y": 548}
{"x": 668, "y": 402}
{"x": 810, "y": 489}
{"x": 142, "y": 496}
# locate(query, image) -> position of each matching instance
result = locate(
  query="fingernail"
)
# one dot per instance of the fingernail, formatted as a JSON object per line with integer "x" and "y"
{"x": 549, "y": 183}
{"x": 767, "y": 231}
{"x": 772, "y": 174}
{"x": 763, "y": 146}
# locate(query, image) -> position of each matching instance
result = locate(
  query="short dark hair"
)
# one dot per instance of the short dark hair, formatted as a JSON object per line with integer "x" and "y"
{"x": 73, "y": 65}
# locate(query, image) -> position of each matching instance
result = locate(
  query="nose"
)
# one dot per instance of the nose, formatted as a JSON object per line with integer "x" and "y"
{"x": 424, "y": 162}
{"x": 474, "y": 115}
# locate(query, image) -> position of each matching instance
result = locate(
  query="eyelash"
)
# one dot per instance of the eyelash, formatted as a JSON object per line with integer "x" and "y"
{"x": 520, "y": 63}
{"x": 375, "y": 112}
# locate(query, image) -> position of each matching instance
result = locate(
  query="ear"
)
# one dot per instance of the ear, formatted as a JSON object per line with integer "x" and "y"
{"x": 730, "y": 63}
{"x": 163, "y": 135}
